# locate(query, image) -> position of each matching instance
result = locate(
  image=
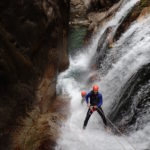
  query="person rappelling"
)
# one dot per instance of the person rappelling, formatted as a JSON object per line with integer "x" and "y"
{"x": 94, "y": 104}
{"x": 83, "y": 94}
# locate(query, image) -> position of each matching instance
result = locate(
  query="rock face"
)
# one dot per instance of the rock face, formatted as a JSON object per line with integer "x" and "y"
{"x": 97, "y": 18}
{"x": 129, "y": 104}
{"x": 94, "y": 13}
{"x": 32, "y": 52}
{"x": 78, "y": 11}
{"x": 81, "y": 9}
{"x": 145, "y": 12}
{"x": 103, "y": 5}
{"x": 140, "y": 8}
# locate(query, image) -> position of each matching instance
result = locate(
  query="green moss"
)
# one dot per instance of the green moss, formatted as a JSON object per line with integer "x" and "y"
{"x": 143, "y": 3}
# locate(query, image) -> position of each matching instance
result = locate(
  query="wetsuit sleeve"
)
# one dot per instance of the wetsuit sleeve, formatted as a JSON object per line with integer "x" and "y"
{"x": 100, "y": 100}
{"x": 87, "y": 97}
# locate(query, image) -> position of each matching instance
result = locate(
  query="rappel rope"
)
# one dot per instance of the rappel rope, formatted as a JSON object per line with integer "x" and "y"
{"x": 117, "y": 141}
{"x": 124, "y": 137}
{"x": 123, "y": 147}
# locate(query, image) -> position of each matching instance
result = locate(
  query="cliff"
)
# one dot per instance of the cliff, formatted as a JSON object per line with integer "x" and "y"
{"x": 32, "y": 53}
{"x": 33, "y": 41}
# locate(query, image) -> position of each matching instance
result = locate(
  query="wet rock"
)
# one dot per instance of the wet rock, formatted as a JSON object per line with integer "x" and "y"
{"x": 32, "y": 51}
{"x": 131, "y": 17}
{"x": 77, "y": 11}
{"x": 131, "y": 102}
{"x": 100, "y": 5}
{"x": 79, "y": 22}
{"x": 40, "y": 131}
{"x": 96, "y": 18}
{"x": 145, "y": 12}
{"x": 81, "y": 13}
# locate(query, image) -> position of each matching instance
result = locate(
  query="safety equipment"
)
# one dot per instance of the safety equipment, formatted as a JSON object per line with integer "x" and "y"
{"x": 83, "y": 93}
{"x": 92, "y": 108}
{"x": 95, "y": 88}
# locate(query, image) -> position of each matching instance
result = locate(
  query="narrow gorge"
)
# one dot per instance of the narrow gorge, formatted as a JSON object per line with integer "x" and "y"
{"x": 52, "y": 50}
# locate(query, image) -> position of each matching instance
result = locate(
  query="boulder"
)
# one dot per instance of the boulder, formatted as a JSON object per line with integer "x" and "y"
{"x": 145, "y": 12}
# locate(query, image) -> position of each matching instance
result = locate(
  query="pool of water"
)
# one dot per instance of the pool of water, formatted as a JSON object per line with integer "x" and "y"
{"x": 76, "y": 37}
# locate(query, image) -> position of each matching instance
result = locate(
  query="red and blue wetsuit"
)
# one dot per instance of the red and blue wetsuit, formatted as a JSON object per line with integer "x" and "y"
{"x": 95, "y": 100}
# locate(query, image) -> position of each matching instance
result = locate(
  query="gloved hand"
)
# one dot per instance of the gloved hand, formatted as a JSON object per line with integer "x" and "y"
{"x": 90, "y": 107}
{"x": 95, "y": 107}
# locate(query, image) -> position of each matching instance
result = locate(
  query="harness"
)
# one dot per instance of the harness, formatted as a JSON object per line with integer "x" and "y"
{"x": 94, "y": 98}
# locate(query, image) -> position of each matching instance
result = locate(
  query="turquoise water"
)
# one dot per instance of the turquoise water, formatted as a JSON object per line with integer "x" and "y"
{"x": 76, "y": 38}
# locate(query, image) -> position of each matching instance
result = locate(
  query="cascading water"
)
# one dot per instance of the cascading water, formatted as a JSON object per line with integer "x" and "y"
{"x": 129, "y": 54}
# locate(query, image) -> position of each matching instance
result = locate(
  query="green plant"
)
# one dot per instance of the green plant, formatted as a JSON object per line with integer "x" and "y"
{"x": 144, "y": 3}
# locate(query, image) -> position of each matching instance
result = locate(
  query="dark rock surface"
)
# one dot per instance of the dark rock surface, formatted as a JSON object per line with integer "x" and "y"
{"x": 133, "y": 101}
{"x": 87, "y": 12}
{"x": 32, "y": 41}
{"x": 101, "y": 5}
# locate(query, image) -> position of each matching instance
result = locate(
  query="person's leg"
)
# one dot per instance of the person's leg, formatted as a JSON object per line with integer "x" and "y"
{"x": 101, "y": 113}
{"x": 88, "y": 115}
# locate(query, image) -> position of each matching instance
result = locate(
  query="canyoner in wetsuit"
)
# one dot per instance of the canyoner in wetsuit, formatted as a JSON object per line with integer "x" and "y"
{"x": 83, "y": 94}
{"x": 95, "y": 104}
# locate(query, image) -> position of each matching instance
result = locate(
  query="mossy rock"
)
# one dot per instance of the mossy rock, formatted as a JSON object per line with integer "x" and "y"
{"x": 131, "y": 17}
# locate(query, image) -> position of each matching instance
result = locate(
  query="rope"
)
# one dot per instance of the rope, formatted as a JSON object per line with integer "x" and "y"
{"x": 120, "y": 143}
{"x": 123, "y": 147}
{"x": 124, "y": 137}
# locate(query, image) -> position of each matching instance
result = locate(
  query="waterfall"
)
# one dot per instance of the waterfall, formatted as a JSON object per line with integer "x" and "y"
{"x": 127, "y": 56}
